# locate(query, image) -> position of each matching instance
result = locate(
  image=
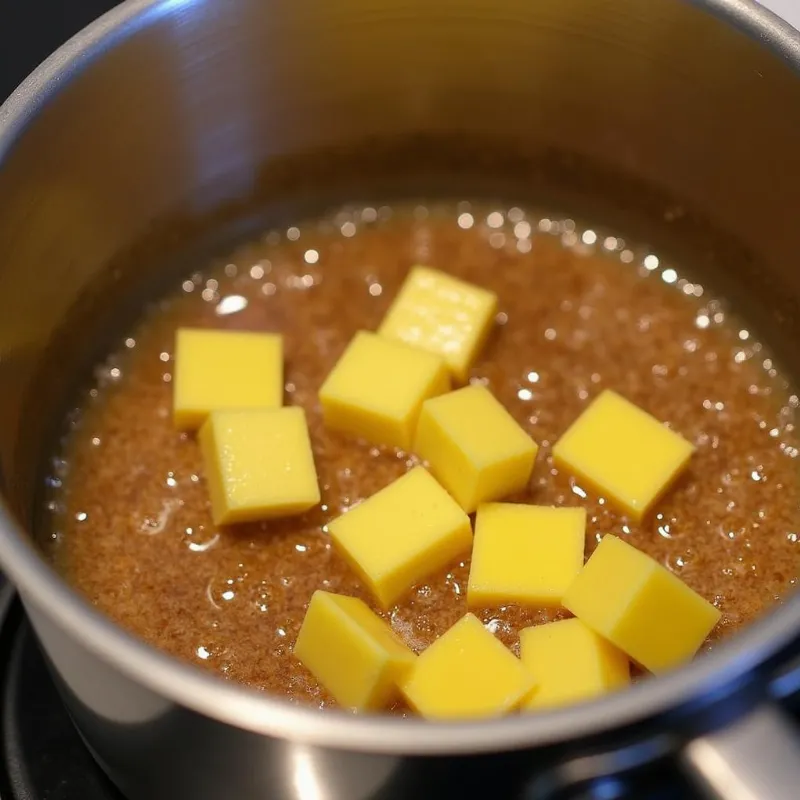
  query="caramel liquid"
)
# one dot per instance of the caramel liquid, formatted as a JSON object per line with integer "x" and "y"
{"x": 579, "y": 312}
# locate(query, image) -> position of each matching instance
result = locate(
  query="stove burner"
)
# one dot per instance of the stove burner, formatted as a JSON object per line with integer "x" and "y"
{"x": 42, "y": 757}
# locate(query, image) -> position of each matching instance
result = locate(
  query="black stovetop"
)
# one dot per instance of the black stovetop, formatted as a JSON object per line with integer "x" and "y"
{"x": 43, "y": 757}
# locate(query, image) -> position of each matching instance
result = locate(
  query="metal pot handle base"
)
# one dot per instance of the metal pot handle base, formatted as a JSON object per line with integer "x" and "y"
{"x": 757, "y": 757}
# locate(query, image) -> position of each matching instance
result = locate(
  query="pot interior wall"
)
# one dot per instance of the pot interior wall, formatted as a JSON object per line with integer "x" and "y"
{"x": 205, "y": 117}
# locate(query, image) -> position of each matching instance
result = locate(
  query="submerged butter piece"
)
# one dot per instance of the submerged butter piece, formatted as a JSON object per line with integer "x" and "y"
{"x": 570, "y": 663}
{"x": 466, "y": 673}
{"x": 224, "y": 369}
{"x": 258, "y": 463}
{"x": 640, "y": 606}
{"x": 443, "y": 315}
{"x": 352, "y": 652}
{"x": 474, "y": 447}
{"x": 622, "y": 452}
{"x": 523, "y": 554}
{"x": 377, "y": 387}
{"x": 400, "y": 535}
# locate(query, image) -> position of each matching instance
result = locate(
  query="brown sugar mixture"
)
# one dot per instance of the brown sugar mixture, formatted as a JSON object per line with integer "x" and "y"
{"x": 579, "y": 312}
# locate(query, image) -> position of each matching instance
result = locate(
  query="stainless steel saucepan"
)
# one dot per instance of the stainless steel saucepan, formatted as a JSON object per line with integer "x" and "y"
{"x": 169, "y": 120}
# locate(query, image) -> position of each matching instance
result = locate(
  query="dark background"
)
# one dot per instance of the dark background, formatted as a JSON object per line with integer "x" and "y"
{"x": 32, "y": 29}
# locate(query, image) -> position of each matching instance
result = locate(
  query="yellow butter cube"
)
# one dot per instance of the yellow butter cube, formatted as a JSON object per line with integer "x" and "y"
{"x": 352, "y": 652}
{"x": 402, "y": 534}
{"x": 528, "y": 555}
{"x": 622, "y": 452}
{"x": 258, "y": 463}
{"x": 570, "y": 663}
{"x": 443, "y": 315}
{"x": 377, "y": 387}
{"x": 474, "y": 447}
{"x": 224, "y": 369}
{"x": 640, "y": 606}
{"x": 466, "y": 673}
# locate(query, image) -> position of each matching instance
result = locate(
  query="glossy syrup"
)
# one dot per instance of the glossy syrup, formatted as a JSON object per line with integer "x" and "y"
{"x": 580, "y": 311}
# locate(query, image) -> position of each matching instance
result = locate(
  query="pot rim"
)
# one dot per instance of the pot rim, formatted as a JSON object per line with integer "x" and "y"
{"x": 244, "y": 708}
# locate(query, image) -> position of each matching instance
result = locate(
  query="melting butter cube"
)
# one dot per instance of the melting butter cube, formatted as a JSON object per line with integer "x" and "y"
{"x": 466, "y": 673}
{"x": 443, "y": 315}
{"x": 402, "y": 534}
{"x": 258, "y": 463}
{"x": 474, "y": 446}
{"x": 224, "y": 369}
{"x": 570, "y": 663}
{"x": 640, "y": 606}
{"x": 377, "y": 387}
{"x": 352, "y": 652}
{"x": 528, "y": 555}
{"x": 623, "y": 452}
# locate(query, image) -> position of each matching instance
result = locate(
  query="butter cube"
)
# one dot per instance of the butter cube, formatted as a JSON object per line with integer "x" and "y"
{"x": 402, "y": 534}
{"x": 528, "y": 555}
{"x": 570, "y": 663}
{"x": 377, "y": 387}
{"x": 640, "y": 606}
{"x": 622, "y": 452}
{"x": 466, "y": 673}
{"x": 224, "y": 369}
{"x": 443, "y": 315}
{"x": 352, "y": 652}
{"x": 474, "y": 447}
{"x": 258, "y": 463}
